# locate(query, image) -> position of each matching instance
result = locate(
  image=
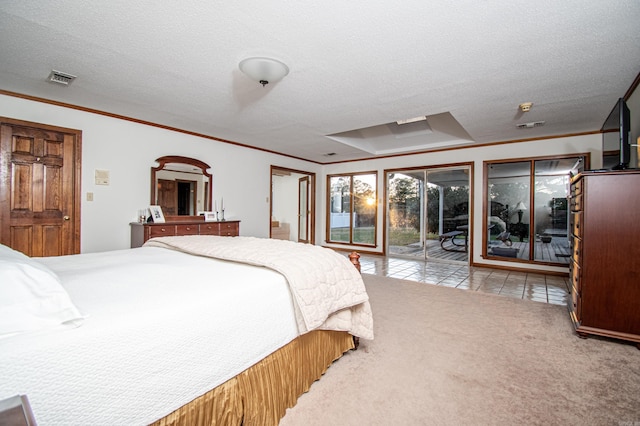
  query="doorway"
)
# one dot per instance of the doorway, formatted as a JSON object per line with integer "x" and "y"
{"x": 40, "y": 188}
{"x": 292, "y": 205}
{"x": 428, "y": 213}
{"x": 186, "y": 197}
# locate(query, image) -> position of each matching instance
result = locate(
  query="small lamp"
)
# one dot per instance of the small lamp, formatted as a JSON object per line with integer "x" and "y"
{"x": 520, "y": 207}
{"x": 264, "y": 70}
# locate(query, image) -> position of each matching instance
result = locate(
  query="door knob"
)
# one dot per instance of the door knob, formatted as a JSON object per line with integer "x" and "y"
{"x": 66, "y": 217}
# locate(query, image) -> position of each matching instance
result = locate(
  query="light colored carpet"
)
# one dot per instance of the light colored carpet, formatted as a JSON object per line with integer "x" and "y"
{"x": 443, "y": 356}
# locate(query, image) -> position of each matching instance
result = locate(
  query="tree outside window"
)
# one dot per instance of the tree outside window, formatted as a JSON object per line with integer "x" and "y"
{"x": 353, "y": 207}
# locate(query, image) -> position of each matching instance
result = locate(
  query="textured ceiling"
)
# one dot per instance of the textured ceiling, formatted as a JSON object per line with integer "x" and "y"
{"x": 354, "y": 65}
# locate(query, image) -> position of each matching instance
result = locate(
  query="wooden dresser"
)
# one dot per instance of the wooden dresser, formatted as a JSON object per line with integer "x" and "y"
{"x": 605, "y": 268}
{"x": 141, "y": 232}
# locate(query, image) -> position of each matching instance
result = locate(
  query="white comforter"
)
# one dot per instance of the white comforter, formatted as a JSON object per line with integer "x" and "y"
{"x": 162, "y": 328}
{"x": 327, "y": 289}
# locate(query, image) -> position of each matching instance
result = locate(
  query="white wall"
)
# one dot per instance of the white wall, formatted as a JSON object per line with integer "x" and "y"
{"x": 128, "y": 151}
{"x": 559, "y": 146}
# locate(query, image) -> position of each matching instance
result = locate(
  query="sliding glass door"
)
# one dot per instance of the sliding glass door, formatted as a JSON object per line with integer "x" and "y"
{"x": 551, "y": 215}
{"x": 448, "y": 213}
{"x": 406, "y": 213}
{"x": 428, "y": 213}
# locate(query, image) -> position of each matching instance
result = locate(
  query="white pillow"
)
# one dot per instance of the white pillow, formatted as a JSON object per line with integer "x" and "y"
{"x": 31, "y": 296}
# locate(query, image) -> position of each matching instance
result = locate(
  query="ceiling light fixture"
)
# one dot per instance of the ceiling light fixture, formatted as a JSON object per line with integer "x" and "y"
{"x": 263, "y": 70}
{"x": 411, "y": 120}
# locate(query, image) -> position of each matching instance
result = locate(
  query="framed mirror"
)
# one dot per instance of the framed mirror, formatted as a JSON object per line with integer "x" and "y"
{"x": 181, "y": 186}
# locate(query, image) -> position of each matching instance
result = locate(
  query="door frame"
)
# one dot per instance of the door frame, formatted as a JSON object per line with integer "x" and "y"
{"x": 312, "y": 197}
{"x": 75, "y": 221}
{"x": 307, "y": 181}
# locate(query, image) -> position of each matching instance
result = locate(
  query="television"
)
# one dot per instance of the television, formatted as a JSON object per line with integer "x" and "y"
{"x": 616, "y": 151}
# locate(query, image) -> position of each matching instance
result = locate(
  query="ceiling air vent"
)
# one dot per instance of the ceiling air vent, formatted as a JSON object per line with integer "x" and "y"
{"x": 61, "y": 77}
{"x": 530, "y": 125}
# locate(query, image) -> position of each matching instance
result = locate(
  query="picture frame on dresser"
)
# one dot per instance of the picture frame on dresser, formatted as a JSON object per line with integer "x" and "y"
{"x": 156, "y": 214}
{"x": 210, "y": 217}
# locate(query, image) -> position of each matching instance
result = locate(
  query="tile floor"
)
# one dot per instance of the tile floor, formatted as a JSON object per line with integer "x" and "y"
{"x": 521, "y": 285}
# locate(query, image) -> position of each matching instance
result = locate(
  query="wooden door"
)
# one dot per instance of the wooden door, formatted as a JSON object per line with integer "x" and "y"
{"x": 39, "y": 188}
{"x": 168, "y": 196}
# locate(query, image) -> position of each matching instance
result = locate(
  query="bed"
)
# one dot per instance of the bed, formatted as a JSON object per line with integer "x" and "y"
{"x": 184, "y": 330}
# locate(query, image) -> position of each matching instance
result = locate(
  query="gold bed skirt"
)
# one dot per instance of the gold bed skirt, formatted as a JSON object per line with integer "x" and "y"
{"x": 261, "y": 394}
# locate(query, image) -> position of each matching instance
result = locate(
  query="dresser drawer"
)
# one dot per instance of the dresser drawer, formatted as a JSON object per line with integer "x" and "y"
{"x": 209, "y": 229}
{"x": 576, "y": 272}
{"x": 576, "y": 304}
{"x": 576, "y": 224}
{"x": 187, "y": 229}
{"x": 577, "y": 250}
{"x": 229, "y": 229}
{"x": 576, "y": 188}
{"x": 576, "y": 203}
{"x": 162, "y": 231}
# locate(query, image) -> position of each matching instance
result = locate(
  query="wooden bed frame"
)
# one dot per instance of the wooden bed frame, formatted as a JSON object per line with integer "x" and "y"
{"x": 261, "y": 394}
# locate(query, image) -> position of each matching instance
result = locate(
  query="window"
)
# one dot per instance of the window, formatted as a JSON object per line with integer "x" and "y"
{"x": 526, "y": 210}
{"x": 352, "y": 209}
